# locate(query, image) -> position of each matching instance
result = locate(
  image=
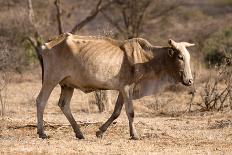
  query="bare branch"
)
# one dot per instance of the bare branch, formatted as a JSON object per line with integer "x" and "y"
{"x": 141, "y": 17}
{"x": 31, "y": 12}
{"x": 192, "y": 93}
{"x": 32, "y": 18}
{"x": 58, "y": 16}
{"x": 215, "y": 97}
{"x": 89, "y": 18}
{"x": 167, "y": 10}
{"x": 132, "y": 16}
{"x": 36, "y": 40}
{"x": 4, "y": 81}
{"x": 113, "y": 23}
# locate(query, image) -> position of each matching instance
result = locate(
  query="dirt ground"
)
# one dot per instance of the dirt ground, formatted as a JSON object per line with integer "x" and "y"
{"x": 190, "y": 133}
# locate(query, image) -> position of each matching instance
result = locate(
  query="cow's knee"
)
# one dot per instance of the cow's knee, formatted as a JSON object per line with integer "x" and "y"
{"x": 131, "y": 114}
{"x": 40, "y": 104}
{"x": 116, "y": 114}
{"x": 61, "y": 103}
{"x": 37, "y": 101}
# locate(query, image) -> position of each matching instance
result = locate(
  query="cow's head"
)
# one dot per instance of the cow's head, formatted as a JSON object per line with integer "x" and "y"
{"x": 180, "y": 62}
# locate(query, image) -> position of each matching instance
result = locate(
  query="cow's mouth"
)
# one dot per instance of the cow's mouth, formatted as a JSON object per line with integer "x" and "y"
{"x": 186, "y": 83}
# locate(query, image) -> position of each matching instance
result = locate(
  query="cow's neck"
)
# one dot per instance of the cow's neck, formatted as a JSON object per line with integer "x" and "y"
{"x": 159, "y": 62}
{"x": 153, "y": 75}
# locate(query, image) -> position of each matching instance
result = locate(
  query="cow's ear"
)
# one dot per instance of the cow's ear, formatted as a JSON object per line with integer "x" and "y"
{"x": 170, "y": 52}
{"x": 134, "y": 52}
{"x": 186, "y": 44}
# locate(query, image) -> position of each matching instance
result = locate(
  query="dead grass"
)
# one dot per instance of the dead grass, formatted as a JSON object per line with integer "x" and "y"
{"x": 161, "y": 123}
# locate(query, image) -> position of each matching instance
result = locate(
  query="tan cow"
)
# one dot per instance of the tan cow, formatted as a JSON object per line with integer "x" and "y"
{"x": 133, "y": 67}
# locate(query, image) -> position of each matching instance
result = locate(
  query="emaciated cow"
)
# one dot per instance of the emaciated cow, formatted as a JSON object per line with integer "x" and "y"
{"x": 133, "y": 67}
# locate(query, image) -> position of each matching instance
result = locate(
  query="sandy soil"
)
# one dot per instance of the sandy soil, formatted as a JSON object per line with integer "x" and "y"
{"x": 192, "y": 133}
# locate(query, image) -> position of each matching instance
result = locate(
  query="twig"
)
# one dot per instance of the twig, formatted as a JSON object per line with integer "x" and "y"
{"x": 35, "y": 40}
{"x": 192, "y": 93}
{"x": 3, "y": 93}
{"x": 89, "y": 18}
{"x": 115, "y": 24}
{"x": 58, "y": 16}
{"x": 31, "y": 12}
{"x": 213, "y": 97}
{"x": 52, "y": 125}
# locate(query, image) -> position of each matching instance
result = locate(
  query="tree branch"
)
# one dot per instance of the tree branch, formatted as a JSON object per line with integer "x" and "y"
{"x": 115, "y": 24}
{"x": 89, "y": 18}
{"x": 31, "y": 12}
{"x": 167, "y": 10}
{"x": 141, "y": 17}
{"x": 32, "y": 16}
{"x": 58, "y": 16}
{"x": 35, "y": 41}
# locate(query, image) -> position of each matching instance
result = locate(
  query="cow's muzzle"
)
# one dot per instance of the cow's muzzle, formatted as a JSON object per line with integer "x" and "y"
{"x": 185, "y": 81}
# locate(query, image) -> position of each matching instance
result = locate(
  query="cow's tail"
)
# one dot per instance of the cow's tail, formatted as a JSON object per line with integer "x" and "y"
{"x": 39, "y": 51}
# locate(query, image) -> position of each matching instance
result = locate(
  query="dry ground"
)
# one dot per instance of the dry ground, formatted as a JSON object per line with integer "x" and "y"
{"x": 161, "y": 133}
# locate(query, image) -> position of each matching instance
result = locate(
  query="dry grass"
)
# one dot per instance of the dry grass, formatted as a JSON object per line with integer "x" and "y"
{"x": 160, "y": 122}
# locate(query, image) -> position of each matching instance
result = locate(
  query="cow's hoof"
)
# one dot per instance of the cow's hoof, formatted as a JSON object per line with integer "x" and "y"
{"x": 80, "y": 136}
{"x": 99, "y": 134}
{"x": 43, "y": 136}
{"x": 134, "y": 137}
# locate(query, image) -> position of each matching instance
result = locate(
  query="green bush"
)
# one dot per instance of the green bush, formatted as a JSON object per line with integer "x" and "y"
{"x": 30, "y": 53}
{"x": 220, "y": 2}
{"x": 217, "y": 46}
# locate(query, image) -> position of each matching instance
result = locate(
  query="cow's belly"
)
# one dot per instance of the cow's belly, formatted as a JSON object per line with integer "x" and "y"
{"x": 94, "y": 80}
{"x": 102, "y": 70}
{"x": 99, "y": 72}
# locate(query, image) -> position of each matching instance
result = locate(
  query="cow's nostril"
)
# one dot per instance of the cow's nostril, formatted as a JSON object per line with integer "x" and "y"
{"x": 190, "y": 81}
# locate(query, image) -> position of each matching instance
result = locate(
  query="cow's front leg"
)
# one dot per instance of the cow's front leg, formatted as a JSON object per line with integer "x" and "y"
{"x": 127, "y": 96}
{"x": 115, "y": 114}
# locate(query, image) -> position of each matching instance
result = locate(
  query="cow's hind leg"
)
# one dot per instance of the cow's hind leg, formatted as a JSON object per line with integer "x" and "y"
{"x": 41, "y": 101}
{"x": 130, "y": 112}
{"x": 115, "y": 114}
{"x": 64, "y": 104}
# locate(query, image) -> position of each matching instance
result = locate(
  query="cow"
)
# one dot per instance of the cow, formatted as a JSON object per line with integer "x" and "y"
{"x": 134, "y": 67}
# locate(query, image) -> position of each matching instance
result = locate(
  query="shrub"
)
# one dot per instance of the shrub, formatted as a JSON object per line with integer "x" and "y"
{"x": 217, "y": 91}
{"x": 30, "y": 53}
{"x": 215, "y": 47}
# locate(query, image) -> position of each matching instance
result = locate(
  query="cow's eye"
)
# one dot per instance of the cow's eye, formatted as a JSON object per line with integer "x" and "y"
{"x": 181, "y": 57}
